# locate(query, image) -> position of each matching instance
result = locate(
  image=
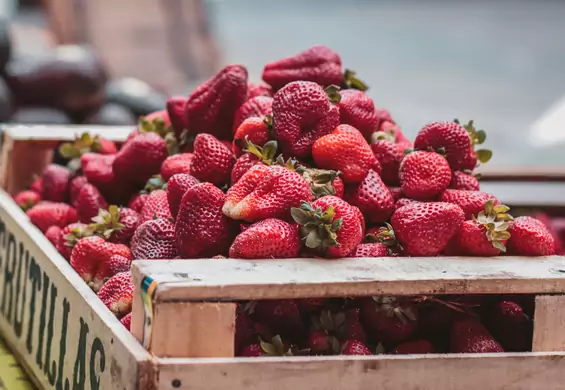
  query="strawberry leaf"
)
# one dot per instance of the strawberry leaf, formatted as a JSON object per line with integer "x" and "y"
{"x": 484, "y": 155}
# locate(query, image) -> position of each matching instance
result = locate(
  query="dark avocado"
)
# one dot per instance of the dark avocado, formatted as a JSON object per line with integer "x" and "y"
{"x": 6, "y": 103}
{"x": 70, "y": 78}
{"x": 112, "y": 114}
{"x": 5, "y": 44}
{"x": 40, "y": 116}
{"x": 138, "y": 96}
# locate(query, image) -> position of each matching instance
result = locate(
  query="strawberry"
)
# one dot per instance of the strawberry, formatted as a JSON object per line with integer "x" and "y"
{"x": 212, "y": 161}
{"x": 95, "y": 260}
{"x": 321, "y": 343}
{"x": 126, "y": 321}
{"x": 511, "y": 326}
{"x": 75, "y": 186}
{"x": 46, "y": 214}
{"x": 212, "y": 106}
{"x": 156, "y": 206}
{"x": 472, "y": 156}
{"x": 319, "y": 64}
{"x": 117, "y": 294}
{"x": 311, "y": 305}
{"x": 89, "y": 200}
{"x": 404, "y": 202}
{"x": 396, "y": 193}
{"x": 269, "y": 238}
{"x": 389, "y": 154}
{"x": 116, "y": 224}
{"x": 552, "y": 225}
{"x": 389, "y": 319}
{"x": 464, "y": 181}
{"x": 280, "y": 315}
{"x": 322, "y": 182}
{"x": 275, "y": 348}
{"x": 302, "y": 113}
{"x": 423, "y": 175}
{"x": 470, "y": 336}
{"x": 424, "y": 229}
{"x": 242, "y": 165}
{"x": 56, "y": 179}
{"x": 27, "y": 199}
{"x": 176, "y": 106}
{"x": 355, "y": 347}
{"x": 201, "y": 229}
{"x": 376, "y": 249}
{"x": 255, "y": 107}
{"x": 37, "y": 185}
{"x": 137, "y": 202}
{"x": 53, "y": 233}
{"x": 389, "y": 127}
{"x": 485, "y": 235}
{"x": 70, "y": 235}
{"x": 372, "y": 197}
{"x": 345, "y": 150}
{"x": 154, "y": 240}
{"x": 255, "y": 130}
{"x": 528, "y": 237}
{"x": 413, "y": 347}
{"x": 471, "y": 202}
{"x": 330, "y": 226}
{"x": 266, "y": 192}
{"x": 258, "y": 89}
{"x": 178, "y": 163}
{"x": 83, "y": 144}
{"x": 358, "y": 110}
{"x": 176, "y": 188}
{"x": 343, "y": 325}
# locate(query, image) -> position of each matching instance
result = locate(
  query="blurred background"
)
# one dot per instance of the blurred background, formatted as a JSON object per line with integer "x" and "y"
{"x": 500, "y": 63}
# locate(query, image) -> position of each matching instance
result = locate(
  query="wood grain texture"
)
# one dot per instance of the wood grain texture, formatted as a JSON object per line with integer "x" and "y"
{"x": 549, "y": 324}
{"x": 522, "y": 173}
{"x": 299, "y": 278}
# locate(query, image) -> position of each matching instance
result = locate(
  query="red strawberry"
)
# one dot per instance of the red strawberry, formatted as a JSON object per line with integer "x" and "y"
{"x": 117, "y": 294}
{"x": 423, "y": 175}
{"x": 89, "y": 200}
{"x": 156, "y": 206}
{"x": 269, "y": 238}
{"x": 95, "y": 260}
{"x": 330, "y": 225}
{"x": 176, "y": 188}
{"x": 255, "y": 130}
{"x": 471, "y": 202}
{"x": 212, "y": 106}
{"x": 302, "y": 113}
{"x": 178, "y": 163}
{"x": 311, "y": 305}
{"x": 53, "y": 233}
{"x": 511, "y": 326}
{"x": 126, "y": 321}
{"x": 390, "y": 320}
{"x": 56, "y": 179}
{"x": 176, "y": 106}
{"x": 212, "y": 161}
{"x": 258, "y": 89}
{"x": 413, "y": 347}
{"x": 375, "y": 249}
{"x": 528, "y": 237}
{"x": 242, "y": 165}
{"x": 355, "y": 347}
{"x": 396, "y": 193}
{"x": 424, "y": 229}
{"x": 137, "y": 201}
{"x": 154, "y": 240}
{"x": 281, "y": 315}
{"x": 255, "y": 107}
{"x": 553, "y": 226}
{"x": 98, "y": 171}
{"x": 318, "y": 64}
{"x": 343, "y": 325}
{"x": 27, "y": 199}
{"x": 266, "y": 192}
{"x": 404, "y": 202}
{"x": 389, "y": 127}
{"x": 274, "y": 348}
{"x": 201, "y": 229}
{"x": 70, "y": 235}
{"x": 76, "y": 185}
{"x": 345, "y": 150}
{"x": 358, "y": 110}
{"x": 372, "y": 197}
{"x": 464, "y": 181}
{"x": 469, "y": 336}
{"x": 322, "y": 182}
{"x": 116, "y": 224}
{"x": 37, "y": 185}
{"x": 46, "y": 214}
{"x": 389, "y": 154}
{"x": 159, "y": 116}
{"x": 321, "y": 343}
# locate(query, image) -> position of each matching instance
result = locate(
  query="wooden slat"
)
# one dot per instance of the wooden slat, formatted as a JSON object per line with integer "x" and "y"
{"x": 522, "y": 173}
{"x": 549, "y": 324}
{"x": 64, "y": 133}
{"x": 227, "y": 279}
{"x": 529, "y": 194}
{"x": 418, "y": 372}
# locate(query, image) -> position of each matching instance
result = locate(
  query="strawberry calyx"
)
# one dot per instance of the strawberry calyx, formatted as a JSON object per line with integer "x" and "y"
{"x": 386, "y": 236}
{"x": 76, "y": 234}
{"x": 265, "y": 153}
{"x": 333, "y": 93}
{"x": 318, "y": 228}
{"x": 394, "y": 307}
{"x": 333, "y": 324}
{"x": 478, "y": 137}
{"x": 156, "y": 182}
{"x": 351, "y": 81}
{"x": 319, "y": 180}
{"x": 495, "y": 221}
{"x": 157, "y": 126}
{"x": 276, "y": 347}
{"x": 28, "y": 204}
{"x": 84, "y": 143}
{"x": 107, "y": 222}
{"x": 383, "y": 136}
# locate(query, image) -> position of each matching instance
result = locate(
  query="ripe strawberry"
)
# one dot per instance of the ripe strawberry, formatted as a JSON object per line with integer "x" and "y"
{"x": 176, "y": 106}
{"x": 322, "y": 182}
{"x": 321, "y": 343}
{"x": 319, "y": 64}
{"x": 176, "y": 188}
{"x": 212, "y": 106}
{"x": 46, "y": 214}
{"x": 413, "y": 347}
{"x": 96, "y": 260}
{"x": 311, "y": 305}
{"x": 255, "y": 130}
{"x": 423, "y": 175}
{"x": 201, "y": 229}
{"x": 154, "y": 240}
{"x": 355, "y": 347}
{"x": 83, "y": 144}
{"x": 404, "y": 202}
{"x": 389, "y": 154}
{"x": 372, "y": 197}
{"x": 280, "y": 315}
{"x": 375, "y": 249}
{"x": 255, "y": 107}
{"x": 258, "y": 89}
{"x": 70, "y": 235}
{"x": 389, "y": 319}
{"x": 53, "y": 233}
{"x": 212, "y": 161}
{"x": 528, "y": 237}
{"x": 469, "y": 336}
{"x": 358, "y": 110}
{"x": 269, "y": 238}
{"x": 266, "y": 192}
{"x": 345, "y": 150}
{"x": 117, "y": 294}
{"x": 553, "y": 226}
{"x": 464, "y": 181}
{"x": 116, "y": 224}
{"x": 27, "y": 199}
{"x": 56, "y": 179}
{"x": 137, "y": 201}
{"x": 89, "y": 200}
{"x": 242, "y": 165}
{"x": 396, "y": 193}
{"x": 76, "y": 185}
{"x": 178, "y": 163}
{"x": 302, "y": 113}
{"x": 424, "y": 229}
{"x": 343, "y": 325}
{"x": 37, "y": 185}
{"x": 388, "y": 126}
{"x": 471, "y": 202}
{"x": 156, "y": 206}
{"x": 511, "y": 326}
{"x": 330, "y": 226}
{"x": 126, "y": 321}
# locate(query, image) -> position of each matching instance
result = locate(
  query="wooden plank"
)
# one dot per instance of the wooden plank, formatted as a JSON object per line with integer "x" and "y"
{"x": 226, "y": 279}
{"x": 417, "y": 372}
{"x": 522, "y": 173}
{"x": 549, "y": 324}
{"x": 530, "y": 194}
{"x": 64, "y": 133}
{"x": 53, "y": 321}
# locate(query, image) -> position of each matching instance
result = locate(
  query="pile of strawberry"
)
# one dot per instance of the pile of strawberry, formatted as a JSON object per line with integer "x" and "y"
{"x": 304, "y": 166}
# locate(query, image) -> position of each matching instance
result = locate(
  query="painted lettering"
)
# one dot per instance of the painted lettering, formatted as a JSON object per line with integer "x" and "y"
{"x": 41, "y": 327}
{"x": 21, "y": 290}
{"x": 50, "y": 369}
{"x": 96, "y": 369}
{"x": 63, "y": 347}
{"x": 79, "y": 374}
{"x": 8, "y": 290}
{"x": 35, "y": 278}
